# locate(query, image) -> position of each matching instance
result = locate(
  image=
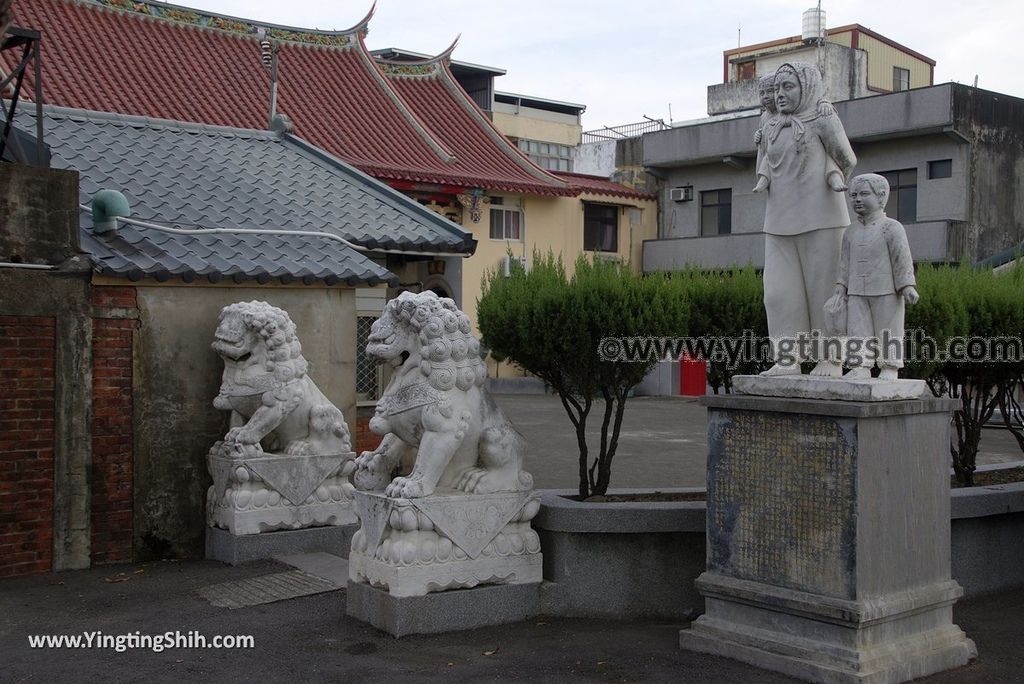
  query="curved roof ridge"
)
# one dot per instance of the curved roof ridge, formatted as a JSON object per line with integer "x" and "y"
{"x": 425, "y": 66}
{"x": 205, "y": 19}
{"x": 421, "y": 128}
{"x": 514, "y": 153}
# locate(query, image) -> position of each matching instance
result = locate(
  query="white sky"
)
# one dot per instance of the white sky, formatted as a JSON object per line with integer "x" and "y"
{"x": 625, "y": 60}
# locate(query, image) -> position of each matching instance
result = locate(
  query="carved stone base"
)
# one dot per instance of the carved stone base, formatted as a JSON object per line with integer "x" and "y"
{"x": 828, "y": 546}
{"x": 883, "y": 639}
{"x": 254, "y": 492}
{"x": 450, "y": 540}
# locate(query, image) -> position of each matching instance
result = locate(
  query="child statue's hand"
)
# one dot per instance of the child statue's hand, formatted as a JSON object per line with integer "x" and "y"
{"x": 757, "y": 137}
{"x": 825, "y": 108}
{"x": 910, "y": 294}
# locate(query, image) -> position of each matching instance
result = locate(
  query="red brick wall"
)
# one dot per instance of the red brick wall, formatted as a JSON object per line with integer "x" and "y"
{"x": 112, "y": 451}
{"x": 27, "y": 358}
{"x": 364, "y": 439}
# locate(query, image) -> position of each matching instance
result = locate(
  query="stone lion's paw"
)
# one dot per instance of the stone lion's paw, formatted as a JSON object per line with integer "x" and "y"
{"x": 406, "y": 488}
{"x": 241, "y": 435}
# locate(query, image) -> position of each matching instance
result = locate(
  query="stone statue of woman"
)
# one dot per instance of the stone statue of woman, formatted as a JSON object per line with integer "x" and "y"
{"x": 808, "y": 161}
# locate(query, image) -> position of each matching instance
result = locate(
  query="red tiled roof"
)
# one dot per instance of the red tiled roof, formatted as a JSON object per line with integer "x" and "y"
{"x": 602, "y": 186}
{"x": 424, "y": 130}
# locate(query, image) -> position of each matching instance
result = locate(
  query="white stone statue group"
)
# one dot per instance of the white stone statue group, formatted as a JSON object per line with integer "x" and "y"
{"x": 804, "y": 163}
{"x": 443, "y": 502}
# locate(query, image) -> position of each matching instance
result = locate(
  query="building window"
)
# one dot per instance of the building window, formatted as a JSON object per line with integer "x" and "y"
{"x": 940, "y": 168}
{"x": 506, "y": 224}
{"x": 900, "y": 79}
{"x": 600, "y": 228}
{"x": 902, "y": 204}
{"x": 746, "y": 71}
{"x": 551, "y": 156}
{"x": 367, "y": 371}
{"x": 716, "y": 212}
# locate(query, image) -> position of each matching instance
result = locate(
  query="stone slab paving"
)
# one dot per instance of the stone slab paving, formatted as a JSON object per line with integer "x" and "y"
{"x": 326, "y": 566}
{"x": 254, "y": 591}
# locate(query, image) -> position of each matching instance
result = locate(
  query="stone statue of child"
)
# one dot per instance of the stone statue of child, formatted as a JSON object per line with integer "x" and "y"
{"x": 766, "y": 94}
{"x": 876, "y": 277}
{"x": 807, "y": 158}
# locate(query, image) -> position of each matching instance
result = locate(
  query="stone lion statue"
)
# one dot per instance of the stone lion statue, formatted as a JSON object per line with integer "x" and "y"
{"x": 266, "y": 388}
{"x": 435, "y": 414}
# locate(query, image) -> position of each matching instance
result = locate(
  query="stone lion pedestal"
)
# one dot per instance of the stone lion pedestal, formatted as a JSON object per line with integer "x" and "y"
{"x": 447, "y": 544}
{"x": 408, "y": 550}
{"x": 256, "y": 497}
{"x": 295, "y": 497}
{"x": 828, "y": 548}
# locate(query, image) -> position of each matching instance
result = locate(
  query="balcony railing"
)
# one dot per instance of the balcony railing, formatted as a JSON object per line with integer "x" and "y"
{"x": 624, "y": 131}
{"x": 20, "y": 48}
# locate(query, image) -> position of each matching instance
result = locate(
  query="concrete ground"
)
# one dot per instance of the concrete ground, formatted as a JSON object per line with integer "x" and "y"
{"x": 663, "y": 441}
{"x": 310, "y": 639}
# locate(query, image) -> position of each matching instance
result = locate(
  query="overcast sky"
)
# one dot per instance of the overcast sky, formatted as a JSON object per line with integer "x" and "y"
{"x": 626, "y": 60}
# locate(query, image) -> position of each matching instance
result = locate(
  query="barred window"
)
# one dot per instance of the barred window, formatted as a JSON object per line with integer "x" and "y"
{"x": 367, "y": 371}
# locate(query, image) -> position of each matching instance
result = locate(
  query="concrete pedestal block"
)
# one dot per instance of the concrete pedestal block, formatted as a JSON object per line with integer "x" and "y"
{"x": 234, "y": 549}
{"x": 828, "y": 551}
{"x": 450, "y": 540}
{"x": 447, "y": 611}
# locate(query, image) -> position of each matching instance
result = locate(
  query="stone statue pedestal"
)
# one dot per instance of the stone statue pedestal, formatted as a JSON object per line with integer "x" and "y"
{"x": 406, "y": 549}
{"x": 828, "y": 539}
{"x": 255, "y": 493}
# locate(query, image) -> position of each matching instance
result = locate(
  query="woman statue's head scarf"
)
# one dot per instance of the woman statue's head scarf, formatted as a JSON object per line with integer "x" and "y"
{"x": 812, "y": 91}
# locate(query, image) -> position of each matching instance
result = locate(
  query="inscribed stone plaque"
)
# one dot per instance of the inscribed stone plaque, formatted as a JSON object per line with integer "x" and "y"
{"x": 781, "y": 495}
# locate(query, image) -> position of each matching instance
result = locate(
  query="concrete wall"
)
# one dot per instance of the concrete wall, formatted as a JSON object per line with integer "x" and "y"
{"x": 38, "y": 214}
{"x": 977, "y": 211}
{"x": 596, "y": 159}
{"x": 39, "y": 221}
{"x": 533, "y": 124}
{"x": 176, "y": 377}
{"x": 845, "y": 77}
{"x": 994, "y": 124}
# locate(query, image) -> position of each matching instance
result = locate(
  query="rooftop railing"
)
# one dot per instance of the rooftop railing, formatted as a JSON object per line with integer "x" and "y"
{"x": 631, "y": 130}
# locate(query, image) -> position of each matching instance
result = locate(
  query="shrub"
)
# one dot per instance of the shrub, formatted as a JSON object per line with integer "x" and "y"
{"x": 551, "y": 324}
{"x": 968, "y": 304}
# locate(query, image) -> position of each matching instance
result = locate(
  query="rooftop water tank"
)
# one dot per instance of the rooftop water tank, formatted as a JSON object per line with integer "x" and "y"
{"x": 814, "y": 25}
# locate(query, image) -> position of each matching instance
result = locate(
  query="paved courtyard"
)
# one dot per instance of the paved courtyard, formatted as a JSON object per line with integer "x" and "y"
{"x": 310, "y": 638}
{"x": 663, "y": 441}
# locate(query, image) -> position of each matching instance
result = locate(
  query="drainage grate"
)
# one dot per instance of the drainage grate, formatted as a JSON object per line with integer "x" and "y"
{"x": 264, "y": 589}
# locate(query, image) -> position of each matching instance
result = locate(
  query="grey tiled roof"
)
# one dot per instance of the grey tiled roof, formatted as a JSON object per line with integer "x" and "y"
{"x": 194, "y": 176}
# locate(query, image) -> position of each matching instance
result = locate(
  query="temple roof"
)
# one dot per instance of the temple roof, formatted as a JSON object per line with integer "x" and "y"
{"x": 406, "y": 121}
{"x": 193, "y": 176}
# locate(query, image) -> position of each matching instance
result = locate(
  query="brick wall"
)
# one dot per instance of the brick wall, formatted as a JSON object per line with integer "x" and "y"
{"x": 27, "y": 358}
{"x": 364, "y": 439}
{"x": 112, "y": 451}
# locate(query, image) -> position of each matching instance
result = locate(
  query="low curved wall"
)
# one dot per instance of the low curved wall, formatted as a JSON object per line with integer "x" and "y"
{"x": 987, "y": 538}
{"x": 620, "y": 560}
{"x": 627, "y": 560}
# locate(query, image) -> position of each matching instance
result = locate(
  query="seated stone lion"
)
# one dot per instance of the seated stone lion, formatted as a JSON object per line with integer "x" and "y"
{"x": 266, "y": 388}
{"x": 436, "y": 413}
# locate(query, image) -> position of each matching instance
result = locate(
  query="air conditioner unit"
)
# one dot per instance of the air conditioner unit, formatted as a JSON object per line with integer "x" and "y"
{"x": 683, "y": 194}
{"x": 506, "y": 263}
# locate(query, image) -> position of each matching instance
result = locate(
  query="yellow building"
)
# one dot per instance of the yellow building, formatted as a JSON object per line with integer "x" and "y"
{"x": 855, "y": 62}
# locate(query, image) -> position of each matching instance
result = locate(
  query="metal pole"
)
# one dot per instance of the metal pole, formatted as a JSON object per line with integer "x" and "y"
{"x": 38, "y": 77}
{"x": 273, "y": 84}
